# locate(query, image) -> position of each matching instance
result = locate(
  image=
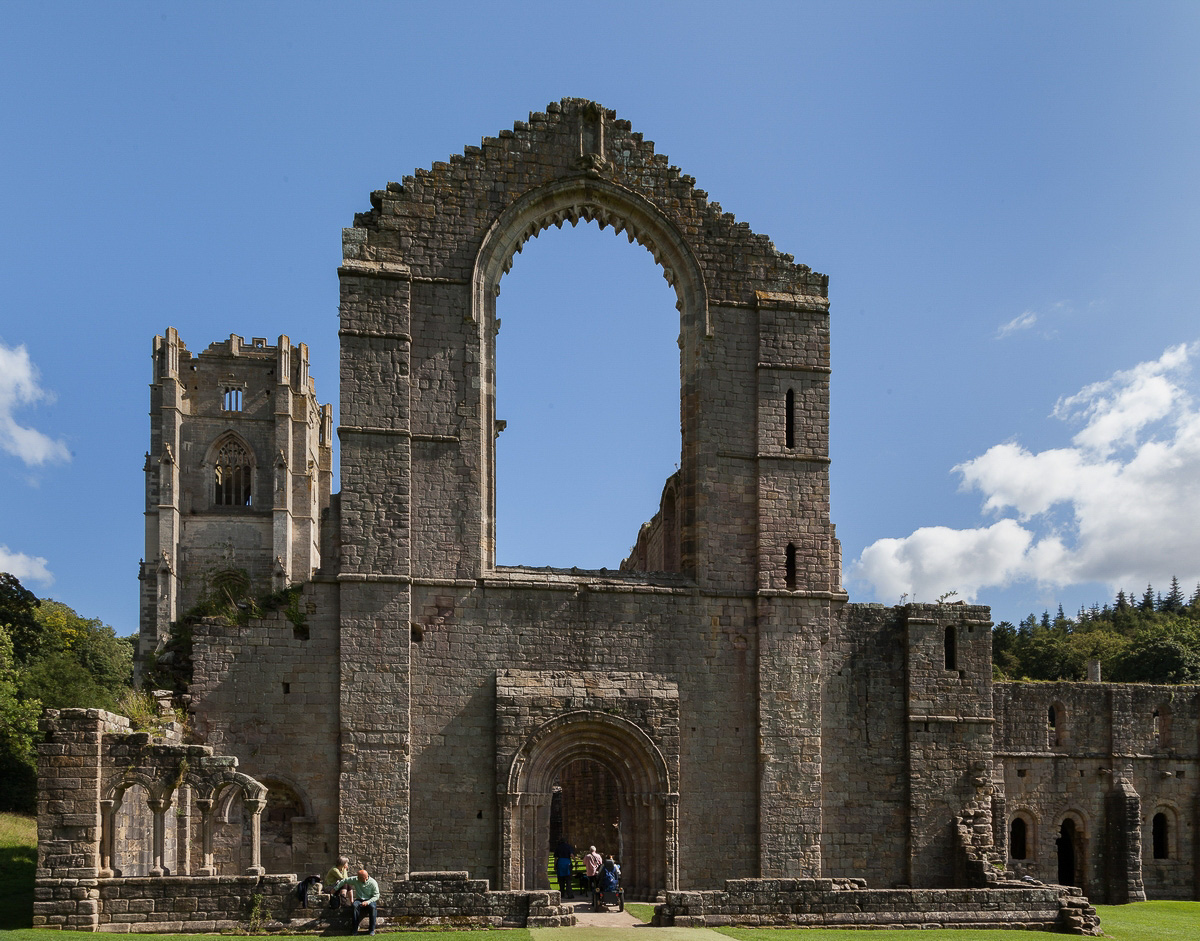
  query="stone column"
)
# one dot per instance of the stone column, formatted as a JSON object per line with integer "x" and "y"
{"x": 538, "y": 842}
{"x": 205, "y": 806}
{"x": 183, "y": 833}
{"x": 255, "y": 807}
{"x": 509, "y": 841}
{"x": 1196, "y": 850}
{"x": 158, "y": 808}
{"x": 672, "y": 842}
{"x": 107, "y": 811}
{"x": 1123, "y": 844}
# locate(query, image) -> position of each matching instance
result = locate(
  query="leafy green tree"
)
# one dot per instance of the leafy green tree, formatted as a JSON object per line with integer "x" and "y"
{"x": 106, "y": 659}
{"x": 50, "y": 656}
{"x": 1158, "y": 659}
{"x": 18, "y": 733}
{"x": 17, "y": 616}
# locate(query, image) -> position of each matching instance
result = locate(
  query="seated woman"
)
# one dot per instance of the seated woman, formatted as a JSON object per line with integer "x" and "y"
{"x": 610, "y": 875}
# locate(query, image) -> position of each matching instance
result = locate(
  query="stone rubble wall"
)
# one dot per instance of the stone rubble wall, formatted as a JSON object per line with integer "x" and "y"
{"x": 453, "y": 899}
{"x": 848, "y": 903}
{"x": 160, "y": 904}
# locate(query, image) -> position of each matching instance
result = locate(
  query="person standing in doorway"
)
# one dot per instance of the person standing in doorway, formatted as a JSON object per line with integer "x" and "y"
{"x": 563, "y": 852}
{"x": 591, "y": 865}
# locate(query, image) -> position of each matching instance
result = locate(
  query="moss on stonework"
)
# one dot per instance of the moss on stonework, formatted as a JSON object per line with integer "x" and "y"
{"x": 228, "y": 600}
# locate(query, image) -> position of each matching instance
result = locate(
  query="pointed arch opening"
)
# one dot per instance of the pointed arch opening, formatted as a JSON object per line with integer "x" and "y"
{"x": 587, "y": 386}
{"x": 232, "y": 472}
{"x": 589, "y": 199}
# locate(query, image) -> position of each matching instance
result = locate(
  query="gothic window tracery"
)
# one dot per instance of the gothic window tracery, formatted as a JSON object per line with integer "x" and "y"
{"x": 233, "y": 475}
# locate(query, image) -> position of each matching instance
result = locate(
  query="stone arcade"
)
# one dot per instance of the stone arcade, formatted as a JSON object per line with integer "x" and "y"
{"x": 772, "y": 753}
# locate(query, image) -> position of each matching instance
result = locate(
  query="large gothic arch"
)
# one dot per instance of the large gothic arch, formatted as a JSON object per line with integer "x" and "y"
{"x": 573, "y": 198}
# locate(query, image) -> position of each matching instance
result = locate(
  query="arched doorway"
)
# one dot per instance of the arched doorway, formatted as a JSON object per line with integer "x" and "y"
{"x": 1069, "y": 846}
{"x": 600, "y": 764}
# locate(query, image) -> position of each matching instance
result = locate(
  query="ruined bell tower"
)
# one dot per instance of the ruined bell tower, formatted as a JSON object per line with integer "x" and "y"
{"x": 238, "y": 473}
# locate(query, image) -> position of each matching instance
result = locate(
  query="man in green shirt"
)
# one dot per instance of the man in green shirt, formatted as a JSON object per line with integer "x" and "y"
{"x": 366, "y": 897}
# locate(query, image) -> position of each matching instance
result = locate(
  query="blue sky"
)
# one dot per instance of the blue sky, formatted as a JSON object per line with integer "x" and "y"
{"x": 1004, "y": 196}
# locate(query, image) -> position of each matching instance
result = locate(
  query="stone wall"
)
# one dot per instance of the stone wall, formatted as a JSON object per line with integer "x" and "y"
{"x": 267, "y": 691}
{"x": 865, "y": 777}
{"x": 587, "y": 627}
{"x": 191, "y": 903}
{"x": 454, "y": 900}
{"x": 1110, "y": 766}
{"x": 848, "y": 903}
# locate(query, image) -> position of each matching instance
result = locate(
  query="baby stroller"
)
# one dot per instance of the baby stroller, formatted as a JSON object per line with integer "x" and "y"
{"x": 608, "y": 889}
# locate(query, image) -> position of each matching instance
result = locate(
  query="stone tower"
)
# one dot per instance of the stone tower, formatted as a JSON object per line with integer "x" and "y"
{"x": 238, "y": 473}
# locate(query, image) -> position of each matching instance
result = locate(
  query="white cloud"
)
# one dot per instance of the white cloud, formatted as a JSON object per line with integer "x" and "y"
{"x": 1128, "y": 490}
{"x": 1020, "y": 322}
{"x": 25, "y": 567}
{"x": 19, "y": 386}
{"x": 1118, "y": 408}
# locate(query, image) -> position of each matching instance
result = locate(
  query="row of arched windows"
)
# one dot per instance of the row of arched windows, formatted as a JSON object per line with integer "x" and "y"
{"x": 1021, "y": 840}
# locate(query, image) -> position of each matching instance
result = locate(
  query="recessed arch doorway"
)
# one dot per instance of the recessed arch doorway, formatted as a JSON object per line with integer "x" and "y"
{"x": 590, "y": 751}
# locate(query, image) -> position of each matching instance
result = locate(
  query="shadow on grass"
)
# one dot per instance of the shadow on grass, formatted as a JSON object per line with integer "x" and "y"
{"x": 17, "y": 864}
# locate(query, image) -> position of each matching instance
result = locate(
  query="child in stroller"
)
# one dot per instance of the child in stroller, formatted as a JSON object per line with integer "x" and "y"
{"x": 608, "y": 889}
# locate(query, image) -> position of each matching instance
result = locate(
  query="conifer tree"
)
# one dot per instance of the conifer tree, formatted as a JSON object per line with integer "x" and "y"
{"x": 1173, "y": 603}
{"x": 1147, "y": 603}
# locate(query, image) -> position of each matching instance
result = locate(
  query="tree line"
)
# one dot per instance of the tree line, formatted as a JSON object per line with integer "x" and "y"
{"x": 50, "y": 658}
{"x": 1151, "y": 639}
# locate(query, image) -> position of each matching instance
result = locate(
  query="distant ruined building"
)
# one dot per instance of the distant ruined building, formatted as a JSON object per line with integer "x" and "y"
{"x": 770, "y": 751}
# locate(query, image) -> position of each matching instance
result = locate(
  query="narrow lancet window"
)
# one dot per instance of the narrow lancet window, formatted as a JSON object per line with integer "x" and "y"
{"x": 1162, "y": 727}
{"x": 951, "y": 648}
{"x": 232, "y": 401}
{"x": 789, "y": 567}
{"x": 789, "y": 420}
{"x": 1017, "y": 846}
{"x": 1162, "y": 836}
{"x": 1056, "y": 725}
{"x": 233, "y": 476}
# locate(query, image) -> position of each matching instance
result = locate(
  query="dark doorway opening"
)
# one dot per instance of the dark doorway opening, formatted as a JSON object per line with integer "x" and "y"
{"x": 1068, "y": 856}
{"x": 1016, "y": 840}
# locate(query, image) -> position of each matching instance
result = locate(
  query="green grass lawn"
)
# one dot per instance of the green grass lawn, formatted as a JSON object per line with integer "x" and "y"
{"x": 18, "y": 859}
{"x": 1151, "y": 921}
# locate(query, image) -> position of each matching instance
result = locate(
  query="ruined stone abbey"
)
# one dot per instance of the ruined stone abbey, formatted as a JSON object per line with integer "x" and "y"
{"x": 754, "y": 734}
